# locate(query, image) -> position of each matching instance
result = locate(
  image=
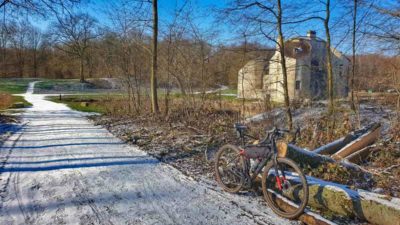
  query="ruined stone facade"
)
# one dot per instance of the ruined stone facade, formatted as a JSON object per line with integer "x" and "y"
{"x": 306, "y": 69}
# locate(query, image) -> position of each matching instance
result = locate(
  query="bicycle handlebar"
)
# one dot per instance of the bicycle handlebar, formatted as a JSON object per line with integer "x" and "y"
{"x": 279, "y": 132}
{"x": 274, "y": 131}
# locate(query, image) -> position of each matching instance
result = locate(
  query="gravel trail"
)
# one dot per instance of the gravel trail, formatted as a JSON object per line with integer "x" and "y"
{"x": 61, "y": 169}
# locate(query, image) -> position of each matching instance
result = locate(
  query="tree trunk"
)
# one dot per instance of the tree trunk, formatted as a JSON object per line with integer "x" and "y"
{"x": 353, "y": 46}
{"x": 4, "y": 42}
{"x": 81, "y": 73}
{"x": 153, "y": 78}
{"x": 307, "y": 158}
{"x": 335, "y": 146}
{"x": 35, "y": 64}
{"x": 180, "y": 84}
{"x": 341, "y": 200}
{"x": 283, "y": 65}
{"x": 329, "y": 58}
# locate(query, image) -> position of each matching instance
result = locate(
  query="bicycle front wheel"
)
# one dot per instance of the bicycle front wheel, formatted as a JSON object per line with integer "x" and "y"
{"x": 285, "y": 188}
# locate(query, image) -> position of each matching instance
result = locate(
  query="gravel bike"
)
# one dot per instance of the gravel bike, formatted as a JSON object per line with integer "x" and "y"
{"x": 284, "y": 185}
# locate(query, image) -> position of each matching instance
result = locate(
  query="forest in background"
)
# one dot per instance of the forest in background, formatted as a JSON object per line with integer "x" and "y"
{"x": 191, "y": 55}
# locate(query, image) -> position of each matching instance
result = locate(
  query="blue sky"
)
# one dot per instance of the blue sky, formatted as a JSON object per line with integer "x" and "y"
{"x": 226, "y": 33}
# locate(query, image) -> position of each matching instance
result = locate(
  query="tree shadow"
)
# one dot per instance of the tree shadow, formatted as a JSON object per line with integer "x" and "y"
{"x": 66, "y": 139}
{"x": 64, "y": 145}
{"x": 85, "y": 164}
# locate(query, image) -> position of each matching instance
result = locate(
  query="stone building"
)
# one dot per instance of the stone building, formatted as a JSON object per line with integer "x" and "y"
{"x": 306, "y": 69}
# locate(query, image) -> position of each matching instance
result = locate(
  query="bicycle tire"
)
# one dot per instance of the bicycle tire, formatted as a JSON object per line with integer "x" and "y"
{"x": 268, "y": 194}
{"x": 219, "y": 176}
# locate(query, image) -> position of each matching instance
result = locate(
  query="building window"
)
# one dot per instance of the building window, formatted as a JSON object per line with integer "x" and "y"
{"x": 297, "y": 85}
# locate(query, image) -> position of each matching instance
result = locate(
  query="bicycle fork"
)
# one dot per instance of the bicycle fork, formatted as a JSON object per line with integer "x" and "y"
{"x": 280, "y": 181}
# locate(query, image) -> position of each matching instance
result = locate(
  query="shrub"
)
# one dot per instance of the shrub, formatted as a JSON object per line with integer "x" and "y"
{"x": 5, "y": 101}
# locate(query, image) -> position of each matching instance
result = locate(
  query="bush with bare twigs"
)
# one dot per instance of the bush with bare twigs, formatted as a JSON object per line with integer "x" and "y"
{"x": 5, "y": 101}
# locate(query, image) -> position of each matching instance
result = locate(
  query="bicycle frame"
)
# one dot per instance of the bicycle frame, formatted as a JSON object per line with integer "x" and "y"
{"x": 267, "y": 142}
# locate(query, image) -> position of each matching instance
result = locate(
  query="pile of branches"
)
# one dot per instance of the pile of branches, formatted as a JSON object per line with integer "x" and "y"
{"x": 384, "y": 162}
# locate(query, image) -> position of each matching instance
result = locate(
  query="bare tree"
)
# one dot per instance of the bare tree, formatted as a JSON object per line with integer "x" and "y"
{"x": 272, "y": 17}
{"x": 73, "y": 34}
{"x": 154, "y": 47}
{"x": 384, "y": 25}
{"x": 40, "y": 7}
{"x": 353, "y": 48}
{"x": 283, "y": 64}
{"x": 34, "y": 44}
{"x": 329, "y": 68}
{"x": 19, "y": 42}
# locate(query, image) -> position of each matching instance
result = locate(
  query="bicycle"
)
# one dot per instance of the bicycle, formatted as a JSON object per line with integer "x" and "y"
{"x": 282, "y": 180}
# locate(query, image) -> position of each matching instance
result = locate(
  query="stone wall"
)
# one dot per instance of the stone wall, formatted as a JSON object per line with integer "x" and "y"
{"x": 250, "y": 79}
{"x": 306, "y": 70}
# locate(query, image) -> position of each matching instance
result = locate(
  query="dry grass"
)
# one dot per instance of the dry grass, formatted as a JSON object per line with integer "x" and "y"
{"x": 6, "y": 101}
{"x": 384, "y": 162}
{"x": 318, "y": 131}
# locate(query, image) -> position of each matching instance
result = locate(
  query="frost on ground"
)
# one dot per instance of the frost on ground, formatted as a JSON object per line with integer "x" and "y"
{"x": 8, "y": 125}
{"x": 61, "y": 169}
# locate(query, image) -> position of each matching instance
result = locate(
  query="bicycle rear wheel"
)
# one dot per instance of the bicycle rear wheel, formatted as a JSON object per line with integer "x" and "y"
{"x": 285, "y": 188}
{"x": 229, "y": 167}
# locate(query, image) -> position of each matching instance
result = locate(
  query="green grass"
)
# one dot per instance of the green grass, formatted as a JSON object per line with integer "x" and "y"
{"x": 73, "y": 86}
{"x": 54, "y": 85}
{"x": 229, "y": 91}
{"x": 91, "y": 108}
{"x": 14, "y": 85}
{"x": 21, "y": 99}
{"x": 97, "y": 102}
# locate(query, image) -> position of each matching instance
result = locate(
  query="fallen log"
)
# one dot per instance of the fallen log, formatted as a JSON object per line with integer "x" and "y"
{"x": 335, "y": 146}
{"x": 360, "y": 143}
{"x": 338, "y": 144}
{"x": 307, "y": 217}
{"x": 359, "y": 155}
{"x": 374, "y": 208}
{"x": 343, "y": 201}
{"x": 308, "y": 159}
{"x": 352, "y": 142}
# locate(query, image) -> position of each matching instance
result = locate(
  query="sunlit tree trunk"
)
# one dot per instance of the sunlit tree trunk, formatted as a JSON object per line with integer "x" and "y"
{"x": 281, "y": 43}
{"x": 329, "y": 58}
{"x": 153, "y": 78}
{"x": 353, "y": 65}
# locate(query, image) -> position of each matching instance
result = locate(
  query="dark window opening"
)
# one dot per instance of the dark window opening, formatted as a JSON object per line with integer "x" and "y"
{"x": 298, "y": 85}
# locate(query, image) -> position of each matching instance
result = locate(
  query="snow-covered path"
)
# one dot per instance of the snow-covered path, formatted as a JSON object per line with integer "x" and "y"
{"x": 61, "y": 169}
